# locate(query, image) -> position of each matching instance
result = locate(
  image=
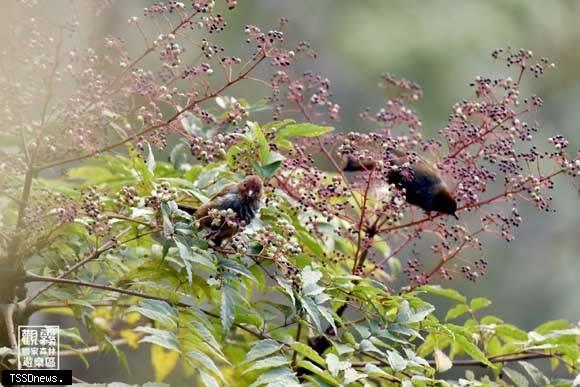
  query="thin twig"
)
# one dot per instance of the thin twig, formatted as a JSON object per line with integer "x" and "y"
{"x": 90, "y": 349}
{"x": 94, "y": 255}
{"x": 183, "y": 304}
{"x": 155, "y": 126}
{"x": 296, "y": 339}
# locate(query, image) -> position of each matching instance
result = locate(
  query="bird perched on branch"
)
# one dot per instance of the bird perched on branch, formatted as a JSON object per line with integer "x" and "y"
{"x": 236, "y": 204}
{"x": 421, "y": 181}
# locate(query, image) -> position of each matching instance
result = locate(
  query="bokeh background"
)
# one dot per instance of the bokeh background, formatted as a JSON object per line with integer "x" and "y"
{"x": 442, "y": 45}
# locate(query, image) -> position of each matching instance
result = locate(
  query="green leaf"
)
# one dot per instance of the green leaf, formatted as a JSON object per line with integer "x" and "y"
{"x": 276, "y": 125}
{"x": 208, "y": 380}
{"x": 310, "y": 278}
{"x": 508, "y": 331}
{"x": 168, "y": 228}
{"x": 552, "y": 325}
{"x": 192, "y": 124}
{"x": 404, "y": 313}
{"x": 258, "y": 106}
{"x": 489, "y": 320}
{"x": 227, "y": 309}
{"x": 269, "y": 362}
{"x": 263, "y": 146}
{"x": 303, "y": 130}
{"x": 537, "y": 376}
{"x": 442, "y": 361}
{"x": 185, "y": 254}
{"x": 91, "y": 175}
{"x": 237, "y": 268}
{"x": 160, "y": 337}
{"x": 150, "y": 159}
{"x": 479, "y": 303}
{"x": 268, "y": 170}
{"x": 156, "y": 310}
{"x": 283, "y": 282}
{"x": 206, "y": 335}
{"x": 472, "y": 350}
{"x": 328, "y": 315}
{"x": 335, "y": 365}
{"x": 221, "y": 102}
{"x": 312, "y": 311}
{"x": 232, "y": 155}
{"x": 323, "y": 374}
{"x": 396, "y": 361}
{"x": 447, "y": 293}
{"x": 163, "y": 361}
{"x": 420, "y": 314}
{"x": 367, "y": 346}
{"x": 310, "y": 243}
{"x": 456, "y": 311}
{"x": 249, "y": 316}
{"x": 371, "y": 369}
{"x": 141, "y": 168}
{"x": 280, "y": 376}
{"x": 261, "y": 349}
{"x": 205, "y": 361}
{"x": 200, "y": 316}
{"x": 351, "y": 375}
{"x": 178, "y": 157}
{"x": 518, "y": 379}
{"x": 308, "y": 352}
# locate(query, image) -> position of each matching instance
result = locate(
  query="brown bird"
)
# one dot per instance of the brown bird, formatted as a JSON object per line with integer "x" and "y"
{"x": 423, "y": 185}
{"x": 242, "y": 198}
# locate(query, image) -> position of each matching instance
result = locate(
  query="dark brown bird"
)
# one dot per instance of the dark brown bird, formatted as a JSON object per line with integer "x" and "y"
{"x": 423, "y": 184}
{"x": 242, "y": 198}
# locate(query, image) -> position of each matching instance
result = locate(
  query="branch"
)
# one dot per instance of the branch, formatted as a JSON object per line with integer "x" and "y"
{"x": 25, "y": 196}
{"x": 91, "y": 349}
{"x": 297, "y": 339}
{"x": 50, "y": 88}
{"x": 94, "y": 255}
{"x": 156, "y": 126}
{"x": 53, "y": 280}
{"x": 360, "y": 256}
{"x": 510, "y": 358}
{"x": 30, "y": 277}
{"x": 38, "y": 306}
{"x": 7, "y": 311}
{"x": 466, "y": 206}
{"x": 474, "y": 140}
{"x": 327, "y": 154}
{"x": 504, "y": 358}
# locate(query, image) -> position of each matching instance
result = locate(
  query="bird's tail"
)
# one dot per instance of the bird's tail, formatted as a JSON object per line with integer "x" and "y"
{"x": 356, "y": 165}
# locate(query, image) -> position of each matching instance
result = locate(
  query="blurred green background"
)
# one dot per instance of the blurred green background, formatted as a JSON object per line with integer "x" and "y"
{"x": 442, "y": 45}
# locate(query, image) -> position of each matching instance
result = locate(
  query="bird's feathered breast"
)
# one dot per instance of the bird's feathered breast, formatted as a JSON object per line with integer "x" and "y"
{"x": 245, "y": 211}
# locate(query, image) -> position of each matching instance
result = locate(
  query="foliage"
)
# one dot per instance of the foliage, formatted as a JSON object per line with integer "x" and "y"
{"x": 105, "y": 231}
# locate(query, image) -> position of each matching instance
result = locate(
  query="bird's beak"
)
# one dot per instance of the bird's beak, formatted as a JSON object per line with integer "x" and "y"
{"x": 250, "y": 193}
{"x": 456, "y": 217}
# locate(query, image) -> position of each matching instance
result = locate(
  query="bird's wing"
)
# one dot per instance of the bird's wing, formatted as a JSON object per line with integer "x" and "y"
{"x": 215, "y": 202}
{"x": 421, "y": 165}
{"x": 225, "y": 189}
